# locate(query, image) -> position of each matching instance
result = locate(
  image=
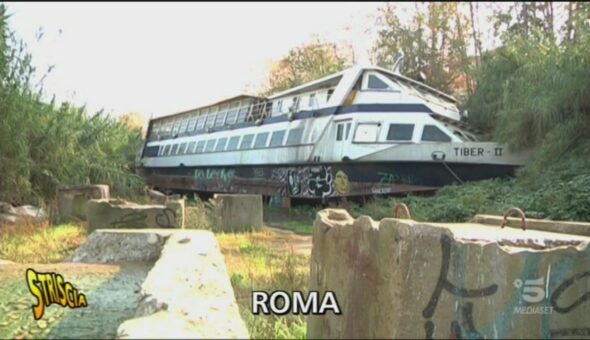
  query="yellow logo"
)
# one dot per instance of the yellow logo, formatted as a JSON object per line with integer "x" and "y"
{"x": 51, "y": 288}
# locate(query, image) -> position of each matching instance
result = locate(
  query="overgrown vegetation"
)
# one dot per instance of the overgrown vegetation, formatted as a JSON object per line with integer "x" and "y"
{"x": 255, "y": 261}
{"x": 47, "y": 145}
{"x": 39, "y": 242}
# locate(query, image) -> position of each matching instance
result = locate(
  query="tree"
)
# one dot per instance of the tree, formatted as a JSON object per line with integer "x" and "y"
{"x": 305, "y": 63}
{"x": 46, "y": 145}
{"x": 434, "y": 42}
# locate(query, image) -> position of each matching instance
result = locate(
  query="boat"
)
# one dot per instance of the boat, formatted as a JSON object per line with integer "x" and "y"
{"x": 360, "y": 132}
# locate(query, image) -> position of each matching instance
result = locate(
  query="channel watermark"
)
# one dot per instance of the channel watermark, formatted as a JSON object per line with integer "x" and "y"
{"x": 533, "y": 292}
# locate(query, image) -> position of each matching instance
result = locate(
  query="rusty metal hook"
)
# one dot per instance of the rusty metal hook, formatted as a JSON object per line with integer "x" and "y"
{"x": 404, "y": 207}
{"x": 514, "y": 210}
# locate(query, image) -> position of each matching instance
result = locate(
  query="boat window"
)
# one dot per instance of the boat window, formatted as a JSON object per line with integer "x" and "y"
{"x": 295, "y": 136}
{"x": 348, "y": 126}
{"x": 261, "y": 139}
{"x": 219, "y": 119}
{"x": 210, "y": 120}
{"x": 201, "y": 122}
{"x": 277, "y": 138}
{"x": 294, "y": 105}
{"x": 175, "y": 128}
{"x": 221, "y": 144}
{"x": 191, "y": 124}
{"x": 182, "y": 149}
{"x": 210, "y": 145}
{"x": 400, "y": 132}
{"x": 330, "y": 92}
{"x": 191, "y": 147}
{"x": 242, "y": 113}
{"x": 312, "y": 101}
{"x": 279, "y": 106}
{"x": 233, "y": 143}
{"x": 339, "y": 132}
{"x": 247, "y": 142}
{"x": 167, "y": 149}
{"x": 366, "y": 132}
{"x": 231, "y": 117}
{"x": 151, "y": 151}
{"x": 200, "y": 146}
{"x": 432, "y": 133}
{"x": 183, "y": 126}
{"x": 174, "y": 149}
{"x": 161, "y": 150}
{"x": 376, "y": 83}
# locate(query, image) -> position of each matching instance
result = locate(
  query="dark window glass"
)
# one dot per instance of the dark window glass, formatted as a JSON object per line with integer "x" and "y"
{"x": 174, "y": 149}
{"x": 247, "y": 142}
{"x": 166, "y": 150}
{"x": 261, "y": 139}
{"x": 151, "y": 151}
{"x": 182, "y": 149}
{"x": 200, "y": 146}
{"x": 400, "y": 132}
{"x": 191, "y": 147}
{"x": 210, "y": 145}
{"x": 221, "y": 144}
{"x": 339, "y": 131}
{"x": 233, "y": 143}
{"x": 277, "y": 138}
{"x": 376, "y": 83}
{"x": 432, "y": 133}
{"x": 295, "y": 136}
{"x": 348, "y": 126}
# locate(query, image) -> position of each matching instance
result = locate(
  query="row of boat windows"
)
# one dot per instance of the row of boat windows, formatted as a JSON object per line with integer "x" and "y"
{"x": 369, "y": 133}
{"x": 245, "y": 142}
{"x": 230, "y": 114}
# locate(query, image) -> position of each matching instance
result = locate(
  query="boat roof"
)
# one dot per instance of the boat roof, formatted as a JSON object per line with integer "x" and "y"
{"x": 363, "y": 68}
{"x": 223, "y": 101}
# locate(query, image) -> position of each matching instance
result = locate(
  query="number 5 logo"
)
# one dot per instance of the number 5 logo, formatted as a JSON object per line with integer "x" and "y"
{"x": 533, "y": 291}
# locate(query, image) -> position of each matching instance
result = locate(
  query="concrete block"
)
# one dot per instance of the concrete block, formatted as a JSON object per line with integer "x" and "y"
{"x": 122, "y": 214}
{"x": 187, "y": 294}
{"x": 71, "y": 201}
{"x": 237, "y": 212}
{"x": 399, "y": 278}
{"x": 121, "y": 245}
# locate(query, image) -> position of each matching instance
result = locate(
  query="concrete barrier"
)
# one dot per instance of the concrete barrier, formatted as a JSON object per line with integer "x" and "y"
{"x": 187, "y": 294}
{"x": 404, "y": 279}
{"x": 121, "y": 245}
{"x": 105, "y": 214}
{"x": 237, "y": 212}
{"x": 564, "y": 227}
{"x": 71, "y": 201}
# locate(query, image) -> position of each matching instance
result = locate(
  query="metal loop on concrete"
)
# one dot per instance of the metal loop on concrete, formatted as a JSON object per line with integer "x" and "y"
{"x": 514, "y": 210}
{"x": 403, "y": 206}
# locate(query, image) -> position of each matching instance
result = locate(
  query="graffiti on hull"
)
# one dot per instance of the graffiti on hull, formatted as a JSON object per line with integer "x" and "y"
{"x": 317, "y": 181}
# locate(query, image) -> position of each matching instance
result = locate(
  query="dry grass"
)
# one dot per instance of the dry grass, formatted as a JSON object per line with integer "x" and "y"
{"x": 39, "y": 242}
{"x": 266, "y": 261}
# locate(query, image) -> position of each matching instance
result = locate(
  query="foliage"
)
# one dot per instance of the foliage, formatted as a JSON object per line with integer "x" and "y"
{"x": 435, "y": 42}
{"x": 45, "y": 145}
{"x": 305, "y": 63}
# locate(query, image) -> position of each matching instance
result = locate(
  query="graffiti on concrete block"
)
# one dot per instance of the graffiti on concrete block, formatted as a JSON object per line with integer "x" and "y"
{"x": 166, "y": 218}
{"x": 462, "y": 328}
{"x": 130, "y": 220}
